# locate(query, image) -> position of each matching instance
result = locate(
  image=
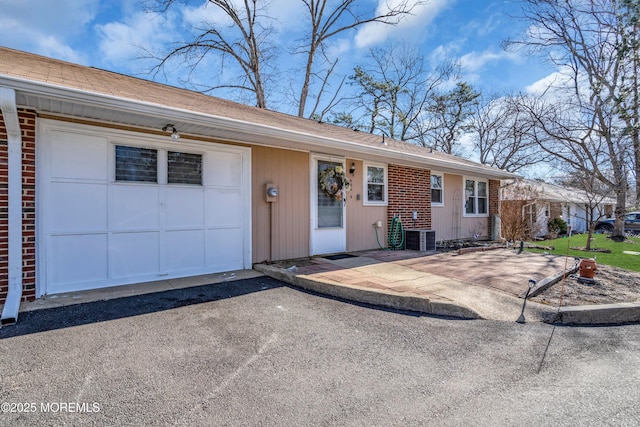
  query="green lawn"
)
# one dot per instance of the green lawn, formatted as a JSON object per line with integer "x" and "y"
{"x": 616, "y": 258}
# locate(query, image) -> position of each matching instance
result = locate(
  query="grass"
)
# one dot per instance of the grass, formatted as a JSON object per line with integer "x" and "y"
{"x": 600, "y": 241}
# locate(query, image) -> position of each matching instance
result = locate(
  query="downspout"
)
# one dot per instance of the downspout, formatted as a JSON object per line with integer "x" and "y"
{"x": 14, "y": 211}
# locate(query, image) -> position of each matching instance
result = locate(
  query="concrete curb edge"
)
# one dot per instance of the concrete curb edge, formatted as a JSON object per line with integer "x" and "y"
{"x": 382, "y": 299}
{"x": 547, "y": 282}
{"x": 602, "y": 314}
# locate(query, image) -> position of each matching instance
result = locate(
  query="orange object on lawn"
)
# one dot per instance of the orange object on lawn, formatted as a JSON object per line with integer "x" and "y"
{"x": 588, "y": 268}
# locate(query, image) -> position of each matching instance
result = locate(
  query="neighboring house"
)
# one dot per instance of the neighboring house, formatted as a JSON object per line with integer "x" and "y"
{"x": 541, "y": 202}
{"x": 96, "y": 192}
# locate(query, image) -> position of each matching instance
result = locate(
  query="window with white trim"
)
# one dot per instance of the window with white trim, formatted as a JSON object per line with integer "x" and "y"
{"x": 437, "y": 189}
{"x": 375, "y": 184}
{"x": 476, "y": 197}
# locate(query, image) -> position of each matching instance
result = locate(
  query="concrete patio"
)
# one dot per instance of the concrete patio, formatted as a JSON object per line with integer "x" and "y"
{"x": 475, "y": 285}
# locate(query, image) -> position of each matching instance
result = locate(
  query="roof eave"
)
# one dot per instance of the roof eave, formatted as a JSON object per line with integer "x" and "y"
{"x": 108, "y": 102}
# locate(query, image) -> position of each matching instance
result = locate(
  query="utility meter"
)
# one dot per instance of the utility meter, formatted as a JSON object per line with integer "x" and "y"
{"x": 271, "y": 192}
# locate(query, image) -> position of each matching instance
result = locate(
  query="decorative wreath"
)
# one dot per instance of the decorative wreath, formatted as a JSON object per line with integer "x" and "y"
{"x": 333, "y": 181}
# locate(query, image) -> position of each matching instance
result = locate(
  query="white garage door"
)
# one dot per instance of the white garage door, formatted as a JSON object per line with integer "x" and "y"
{"x": 116, "y": 209}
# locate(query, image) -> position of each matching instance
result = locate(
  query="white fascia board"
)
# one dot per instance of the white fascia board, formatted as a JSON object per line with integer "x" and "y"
{"x": 155, "y": 110}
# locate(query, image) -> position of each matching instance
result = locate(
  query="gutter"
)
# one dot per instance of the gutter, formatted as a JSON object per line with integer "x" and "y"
{"x": 94, "y": 99}
{"x": 14, "y": 161}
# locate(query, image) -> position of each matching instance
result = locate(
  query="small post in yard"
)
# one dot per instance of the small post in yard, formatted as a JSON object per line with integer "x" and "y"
{"x": 532, "y": 283}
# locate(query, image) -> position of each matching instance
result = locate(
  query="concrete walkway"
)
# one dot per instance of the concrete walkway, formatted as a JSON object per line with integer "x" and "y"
{"x": 79, "y": 297}
{"x": 478, "y": 285}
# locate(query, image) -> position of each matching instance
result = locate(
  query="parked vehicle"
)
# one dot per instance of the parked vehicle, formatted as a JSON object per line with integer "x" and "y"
{"x": 631, "y": 223}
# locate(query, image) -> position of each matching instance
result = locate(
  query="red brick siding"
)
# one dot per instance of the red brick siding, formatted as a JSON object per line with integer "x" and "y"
{"x": 555, "y": 210}
{"x": 27, "y": 120}
{"x": 409, "y": 191}
{"x": 494, "y": 201}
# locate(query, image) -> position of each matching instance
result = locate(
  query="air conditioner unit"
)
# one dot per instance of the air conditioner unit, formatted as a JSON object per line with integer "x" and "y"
{"x": 420, "y": 240}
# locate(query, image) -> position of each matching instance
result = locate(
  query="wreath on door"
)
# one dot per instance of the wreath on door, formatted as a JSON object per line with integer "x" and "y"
{"x": 333, "y": 181}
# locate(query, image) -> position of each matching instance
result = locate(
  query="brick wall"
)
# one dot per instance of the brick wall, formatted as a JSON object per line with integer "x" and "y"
{"x": 555, "y": 210}
{"x": 494, "y": 201}
{"x": 409, "y": 191}
{"x": 27, "y": 120}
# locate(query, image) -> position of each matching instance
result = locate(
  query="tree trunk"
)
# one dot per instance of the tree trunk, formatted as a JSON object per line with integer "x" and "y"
{"x": 590, "y": 224}
{"x": 618, "y": 226}
{"x": 304, "y": 92}
{"x": 636, "y": 115}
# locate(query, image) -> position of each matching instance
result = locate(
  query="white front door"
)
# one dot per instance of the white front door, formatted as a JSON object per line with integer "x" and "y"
{"x": 328, "y": 209}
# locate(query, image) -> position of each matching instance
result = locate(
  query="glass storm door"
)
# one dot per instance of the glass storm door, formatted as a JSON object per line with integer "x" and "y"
{"x": 328, "y": 232}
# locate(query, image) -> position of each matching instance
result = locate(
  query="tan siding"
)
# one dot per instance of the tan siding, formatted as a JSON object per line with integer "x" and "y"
{"x": 448, "y": 220}
{"x": 475, "y": 226}
{"x": 289, "y": 171}
{"x": 360, "y": 218}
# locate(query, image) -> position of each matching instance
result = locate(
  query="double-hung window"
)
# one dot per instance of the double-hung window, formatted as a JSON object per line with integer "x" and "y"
{"x": 476, "y": 197}
{"x": 376, "y": 184}
{"x": 437, "y": 189}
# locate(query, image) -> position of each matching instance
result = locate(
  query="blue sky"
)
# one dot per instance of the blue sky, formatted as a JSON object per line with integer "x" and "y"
{"x": 109, "y": 34}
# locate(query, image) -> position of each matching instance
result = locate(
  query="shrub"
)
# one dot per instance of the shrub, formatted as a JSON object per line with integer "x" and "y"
{"x": 558, "y": 226}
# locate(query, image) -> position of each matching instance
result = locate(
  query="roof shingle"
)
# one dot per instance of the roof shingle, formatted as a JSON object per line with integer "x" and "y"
{"x": 39, "y": 69}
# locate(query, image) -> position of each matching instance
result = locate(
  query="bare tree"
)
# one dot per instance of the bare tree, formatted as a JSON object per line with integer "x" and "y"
{"x": 447, "y": 116}
{"x": 501, "y": 132}
{"x": 393, "y": 91}
{"x": 584, "y": 139}
{"x": 629, "y": 100}
{"x": 244, "y": 41}
{"x": 582, "y": 125}
{"x": 328, "y": 19}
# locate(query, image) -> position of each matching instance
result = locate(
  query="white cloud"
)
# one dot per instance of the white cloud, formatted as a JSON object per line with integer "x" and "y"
{"x": 288, "y": 15}
{"x": 474, "y": 61}
{"x": 280, "y": 14}
{"x": 205, "y": 14}
{"x": 121, "y": 42}
{"x": 338, "y": 47}
{"x": 553, "y": 85}
{"x": 444, "y": 52}
{"x": 46, "y": 27}
{"x": 53, "y": 47}
{"x": 487, "y": 25}
{"x": 375, "y": 33}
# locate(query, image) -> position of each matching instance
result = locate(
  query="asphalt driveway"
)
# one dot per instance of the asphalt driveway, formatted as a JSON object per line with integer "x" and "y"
{"x": 256, "y": 352}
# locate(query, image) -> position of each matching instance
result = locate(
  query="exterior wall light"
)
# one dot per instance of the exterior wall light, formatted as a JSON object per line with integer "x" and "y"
{"x": 174, "y": 131}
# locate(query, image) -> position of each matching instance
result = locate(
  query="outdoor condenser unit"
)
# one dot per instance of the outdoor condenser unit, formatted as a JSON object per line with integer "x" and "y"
{"x": 420, "y": 240}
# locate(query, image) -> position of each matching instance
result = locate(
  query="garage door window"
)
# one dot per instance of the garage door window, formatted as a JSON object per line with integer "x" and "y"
{"x": 136, "y": 164}
{"x": 184, "y": 168}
